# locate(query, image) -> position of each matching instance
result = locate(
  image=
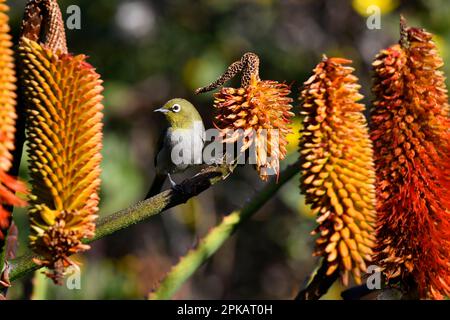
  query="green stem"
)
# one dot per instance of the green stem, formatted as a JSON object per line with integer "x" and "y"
{"x": 137, "y": 213}
{"x": 40, "y": 286}
{"x": 209, "y": 245}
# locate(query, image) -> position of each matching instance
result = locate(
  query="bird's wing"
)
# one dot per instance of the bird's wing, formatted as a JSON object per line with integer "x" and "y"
{"x": 159, "y": 145}
{"x": 160, "y": 174}
{"x": 203, "y": 133}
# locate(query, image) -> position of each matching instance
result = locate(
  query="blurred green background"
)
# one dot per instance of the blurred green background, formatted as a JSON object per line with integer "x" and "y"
{"x": 150, "y": 51}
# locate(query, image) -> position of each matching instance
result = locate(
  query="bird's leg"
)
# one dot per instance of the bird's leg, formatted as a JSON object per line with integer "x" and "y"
{"x": 181, "y": 188}
{"x": 248, "y": 65}
{"x": 173, "y": 184}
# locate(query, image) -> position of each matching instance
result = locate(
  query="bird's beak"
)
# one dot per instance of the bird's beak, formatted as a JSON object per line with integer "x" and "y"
{"x": 162, "y": 110}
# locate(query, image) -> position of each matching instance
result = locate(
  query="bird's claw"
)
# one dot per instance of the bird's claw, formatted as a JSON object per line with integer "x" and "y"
{"x": 172, "y": 183}
{"x": 180, "y": 188}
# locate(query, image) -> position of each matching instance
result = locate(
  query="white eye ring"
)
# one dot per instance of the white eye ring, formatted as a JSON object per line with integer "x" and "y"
{"x": 176, "y": 108}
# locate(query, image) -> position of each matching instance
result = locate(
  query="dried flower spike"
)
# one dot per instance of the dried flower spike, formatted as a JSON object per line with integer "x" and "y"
{"x": 63, "y": 101}
{"x": 43, "y": 23}
{"x": 8, "y": 185}
{"x": 337, "y": 168}
{"x": 257, "y": 115}
{"x": 248, "y": 66}
{"x": 411, "y": 135}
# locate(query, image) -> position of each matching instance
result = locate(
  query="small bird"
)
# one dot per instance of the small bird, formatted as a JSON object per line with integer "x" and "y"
{"x": 181, "y": 144}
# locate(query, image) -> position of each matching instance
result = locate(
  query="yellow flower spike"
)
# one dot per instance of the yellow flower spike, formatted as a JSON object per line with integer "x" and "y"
{"x": 47, "y": 216}
{"x": 8, "y": 185}
{"x": 63, "y": 101}
{"x": 335, "y": 135}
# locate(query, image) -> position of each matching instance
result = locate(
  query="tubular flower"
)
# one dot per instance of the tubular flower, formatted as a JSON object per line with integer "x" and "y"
{"x": 411, "y": 135}
{"x": 8, "y": 185}
{"x": 337, "y": 168}
{"x": 64, "y": 130}
{"x": 258, "y": 116}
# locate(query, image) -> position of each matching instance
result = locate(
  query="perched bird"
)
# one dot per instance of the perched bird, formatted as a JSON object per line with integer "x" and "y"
{"x": 181, "y": 144}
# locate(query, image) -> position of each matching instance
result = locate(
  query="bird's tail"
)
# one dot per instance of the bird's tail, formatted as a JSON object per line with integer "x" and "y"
{"x": 156, "y": 186}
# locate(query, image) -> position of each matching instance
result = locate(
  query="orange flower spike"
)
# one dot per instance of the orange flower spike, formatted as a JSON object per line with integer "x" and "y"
{"x": 258, "y": 114}
{"x": 63, "y": 100}
{"x": 263, "y": 110}
{"x": 8, "y": 185}
{"x": 411, "y": 135}
{"x": 338, "y": 175}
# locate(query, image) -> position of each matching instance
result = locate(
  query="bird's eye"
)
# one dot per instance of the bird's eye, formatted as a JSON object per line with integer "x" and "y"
{"x": 176, "y": 108}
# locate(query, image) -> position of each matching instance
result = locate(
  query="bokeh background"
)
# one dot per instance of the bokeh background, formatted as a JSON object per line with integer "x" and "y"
{"x": 149, "y": 51}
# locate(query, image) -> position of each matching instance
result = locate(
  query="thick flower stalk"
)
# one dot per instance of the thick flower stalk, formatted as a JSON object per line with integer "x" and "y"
{"x": 337, "y": 168}
{"x": 411, "y": 135}
{"x": 63, "y": 101}
{"x": 8, "y": 185}
{"x": 256, "y": 116}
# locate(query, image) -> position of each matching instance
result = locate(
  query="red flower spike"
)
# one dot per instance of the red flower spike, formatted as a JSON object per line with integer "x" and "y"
{"x": 410, "y": 131}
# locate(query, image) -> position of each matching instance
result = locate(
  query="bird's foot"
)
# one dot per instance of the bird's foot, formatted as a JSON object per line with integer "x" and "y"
{"x": 172, "y": 183}
{"x": 177, "y": 187}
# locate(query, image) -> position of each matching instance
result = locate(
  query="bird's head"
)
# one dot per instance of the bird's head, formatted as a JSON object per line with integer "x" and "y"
{"x": 180, "y": 113}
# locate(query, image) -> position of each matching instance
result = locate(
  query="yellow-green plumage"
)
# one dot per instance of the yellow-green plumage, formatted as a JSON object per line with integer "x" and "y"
{"x": 185, "y": 123}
